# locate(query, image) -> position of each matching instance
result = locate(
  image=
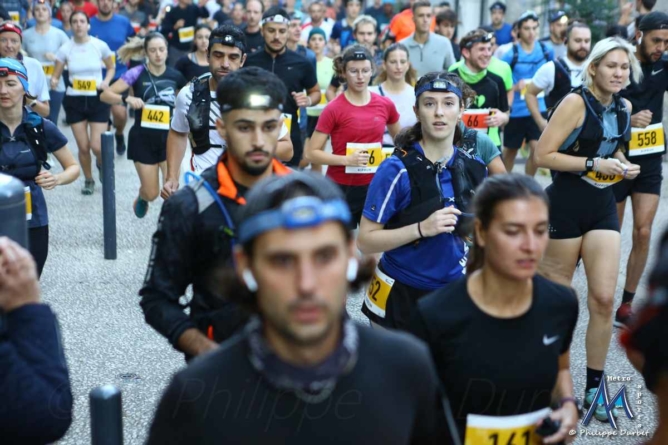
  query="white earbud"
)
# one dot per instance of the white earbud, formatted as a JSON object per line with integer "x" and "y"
{"x": 249, "y": 280}
{"x": 353, "y": 267}
{"x": 640, "y": 39}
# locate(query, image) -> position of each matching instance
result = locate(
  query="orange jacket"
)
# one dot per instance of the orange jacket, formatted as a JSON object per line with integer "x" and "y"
{"x": 402, "y": 25}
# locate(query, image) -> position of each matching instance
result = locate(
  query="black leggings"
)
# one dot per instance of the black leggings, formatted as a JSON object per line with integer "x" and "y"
{"x": 39, "y": 246}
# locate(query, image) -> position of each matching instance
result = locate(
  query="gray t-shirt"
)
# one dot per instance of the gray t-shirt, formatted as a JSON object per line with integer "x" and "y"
{"x": 37, "y": 45}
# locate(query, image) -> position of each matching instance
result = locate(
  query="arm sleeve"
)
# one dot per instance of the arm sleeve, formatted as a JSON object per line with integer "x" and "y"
{"x": 131, "y": 75}
{"x": 389, "y": 191}
{"x": 544, "y": 77}
{"x": 35, "y": 394}
{"x": 179, "y": 121}
{"x": 174, "y": 420}
{"x": 486, "y": 149}
{"x": 170, "y": 268}
{"x": 55, "y": 139}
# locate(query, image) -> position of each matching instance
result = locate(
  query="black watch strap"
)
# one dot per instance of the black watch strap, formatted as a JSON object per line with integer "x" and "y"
{"x": 589, "y": 164}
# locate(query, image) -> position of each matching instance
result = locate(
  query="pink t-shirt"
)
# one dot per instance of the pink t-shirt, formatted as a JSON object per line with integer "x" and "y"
{"x": 345, "y": 122}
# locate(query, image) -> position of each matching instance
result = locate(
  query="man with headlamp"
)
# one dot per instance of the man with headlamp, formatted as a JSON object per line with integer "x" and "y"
{"x": 196, "y": 111}
{"x": 197, "y": 225}
{"x": 557, "y": 37}
{"x": 312, "y": 371}
{"x": 296, "y": 72}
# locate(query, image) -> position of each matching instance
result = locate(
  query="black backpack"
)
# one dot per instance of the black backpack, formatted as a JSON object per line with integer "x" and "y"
{"x": 34, "y": 136}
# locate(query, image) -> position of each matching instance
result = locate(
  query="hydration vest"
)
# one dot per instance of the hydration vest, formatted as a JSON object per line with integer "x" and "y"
{"x": 426, "y": 196}
{"x": 34, "y": 137}
{"x": 562, "y": 83}
{"x": 198, "y": 114}
{"x": 516, "y": 54}
{"x": 588, "y": 142}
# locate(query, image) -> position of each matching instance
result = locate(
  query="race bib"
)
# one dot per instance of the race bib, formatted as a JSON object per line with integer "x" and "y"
{"x": 647, "y": 140}
{"x": 377, "y": 154}
{"x": 28, "y": 203}
{"x": 15, "y": 17}
{"x": 523, "y": 91}
{"x": 186, "y": 34}
{"x": 155, "y": 116}
{"x": 601, "y": 181}
{"x": 379, "y": 289}
{"x": 84, "y": 87}
{"x": 476, "y": 118}
{"x": 516, "y": 430}
{"x": 48, "y": 68}
{"x": 287, "y": 120}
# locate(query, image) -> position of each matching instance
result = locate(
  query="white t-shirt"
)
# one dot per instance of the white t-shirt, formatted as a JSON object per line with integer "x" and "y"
{"x": 404, "y": 102}
{"x": 84, "y": 60}
{"x": 37, "y": 85}
{"x": 218, "y": 145}
{"x": 37, "y": 45}
{"x": 327, "y": 25}
{"x": 544, "y": 77}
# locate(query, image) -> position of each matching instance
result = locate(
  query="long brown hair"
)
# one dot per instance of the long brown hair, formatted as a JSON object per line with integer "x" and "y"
{"x": 411, "y": 75}
{"x": 494, "y": 191}
{"x": 408, "y": 136}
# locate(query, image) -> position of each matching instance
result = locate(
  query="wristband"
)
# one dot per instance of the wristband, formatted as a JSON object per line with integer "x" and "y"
{"x": 565, "y": 400}
{"x": 420, "y": 231}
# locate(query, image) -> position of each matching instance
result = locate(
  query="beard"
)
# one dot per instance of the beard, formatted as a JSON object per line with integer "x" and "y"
{"x": 307, "y": 337}
{"x": 253, "y": 169}
{"x": 275, "y": 51}
{"x": 577, "y": 55}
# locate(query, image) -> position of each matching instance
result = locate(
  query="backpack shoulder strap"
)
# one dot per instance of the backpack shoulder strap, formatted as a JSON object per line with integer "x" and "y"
{"x": 36, "y": 137}
{"x": 516, "y": 55}
{"x": 546, "y": 51}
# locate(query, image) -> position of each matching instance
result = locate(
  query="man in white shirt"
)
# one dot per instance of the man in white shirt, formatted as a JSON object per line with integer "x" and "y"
{"x": 316, "y": 10}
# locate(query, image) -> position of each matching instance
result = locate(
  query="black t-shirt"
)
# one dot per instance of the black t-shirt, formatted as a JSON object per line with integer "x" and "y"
{"x": 491, "y": 93}
{"x": 190, "y": 69}
{"x": 189, "y": 14}
{"x": 254, "y": 41}
{"x": 154, "y": 90}
{"x": 390, "y": 397}
{"x": 220, "y": 17}
{"x": 493, "y": 366}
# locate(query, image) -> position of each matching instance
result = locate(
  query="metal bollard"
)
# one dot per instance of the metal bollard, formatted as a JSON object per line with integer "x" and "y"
{"x": 13, "y": 222}
{"x": 109, "y": 195}
{"x": 106, "y": 418}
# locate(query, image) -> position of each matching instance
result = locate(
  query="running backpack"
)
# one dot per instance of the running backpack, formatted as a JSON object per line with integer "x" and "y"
{"x": 516, "y": 54}
{"x": 34, "y": 136}
{"x": 562, "y": 83}
{"x": 198, "y": 114}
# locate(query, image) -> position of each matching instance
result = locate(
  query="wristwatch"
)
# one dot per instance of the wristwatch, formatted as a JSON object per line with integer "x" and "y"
{"x": 589, "y": 164}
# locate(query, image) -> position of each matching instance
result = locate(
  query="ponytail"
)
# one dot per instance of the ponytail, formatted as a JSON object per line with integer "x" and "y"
{"x": 133, "y": 49}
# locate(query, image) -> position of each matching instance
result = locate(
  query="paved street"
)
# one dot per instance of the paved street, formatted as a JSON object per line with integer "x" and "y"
{"x": 107, "y": 340}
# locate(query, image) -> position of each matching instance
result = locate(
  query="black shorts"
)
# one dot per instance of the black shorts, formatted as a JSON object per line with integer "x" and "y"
{"x": 648, "y": 181}
{"x": 518, "y": 130}
{"x": 147, "y": 146}
{"x": 355, "y": 197}
{"x": 311, "y": 123}
{"x": 85, "y": 108}
{"x": 401, "y": 302}
{"x": 577, "y": 207}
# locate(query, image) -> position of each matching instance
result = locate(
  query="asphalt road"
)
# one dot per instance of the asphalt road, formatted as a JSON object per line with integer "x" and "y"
{"x": 108, "y": 342}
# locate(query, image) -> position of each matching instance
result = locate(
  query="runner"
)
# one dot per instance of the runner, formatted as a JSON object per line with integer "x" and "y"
{"x": 396, "y": 82}
{"x": 196, "y": 63}
{"x": 300, "y": 353}
{"x": 475, "y": 326}
{"x": 581, "y": 143}
{"x": 490, "y": 110}
{"x": 556, "y": 78}
{"x": 646, "y": 147}
{"x": 84, "y": 56}
{"x": 644, "y": 342}
{"x": 196, "y": 230}
{"x": 226, "y": 53}
{"x": 154, "y": 87}
{"x": 179, "y": 27}
{"x": 355, "y": 121}
{"x": 27, "y": 138}
{"x": 413, "y": 211}
{"x": 11, "y": 38}
{"x": 252, "y": 30}
{"x": 138, "y": 14}
{"x": 342, "y": 32}
{"x": 558, "y": 34}
{"x": 114, "y": 30}
{"x": 42, "y": 43}
{"x": 65, "y": 12}
{"x": 525, "y": 58}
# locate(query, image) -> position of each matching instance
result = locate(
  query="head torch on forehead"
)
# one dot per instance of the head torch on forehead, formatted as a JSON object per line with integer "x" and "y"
{"x": 278, "y": 18}
{"x": 297, "y": 213}
{"x": 480, "y": 39}
{"x": 254, "y": 101}
{"x": 440, "y": 85}
{"x": 228, "y": 40}
{"x": 4, "y": 72}
{"x": 356, "y": 56}
{"x": 529, "y": 15}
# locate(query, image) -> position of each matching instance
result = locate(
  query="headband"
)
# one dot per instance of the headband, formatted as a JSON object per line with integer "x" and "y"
{"x": 277, "y": 18}
{"x": 228, "y": 40}
{"x": 253, "y": 101}
{"x": 441, "y": 85}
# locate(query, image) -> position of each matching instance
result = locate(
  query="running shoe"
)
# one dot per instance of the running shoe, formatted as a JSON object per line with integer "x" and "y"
{"x": 623, "y": 316}
{"x": 600, "y": 413}
{"x": 89, "y": 187}
{"x": 120, "y": 145}
{"x": 140, "y": 207}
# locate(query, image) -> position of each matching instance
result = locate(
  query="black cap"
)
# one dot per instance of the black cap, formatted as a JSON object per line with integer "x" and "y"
{"x": 498, "y": 5}
{"x": 654, "y": 20}
{"x": 557, "y": 15}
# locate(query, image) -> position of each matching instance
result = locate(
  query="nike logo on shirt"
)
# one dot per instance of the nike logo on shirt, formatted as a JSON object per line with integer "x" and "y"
{"x": 654, "y": 73}
{"x": 547, "y": 341}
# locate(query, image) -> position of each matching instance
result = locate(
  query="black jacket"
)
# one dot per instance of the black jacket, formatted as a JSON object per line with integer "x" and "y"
{"x": 35, "y": 395}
